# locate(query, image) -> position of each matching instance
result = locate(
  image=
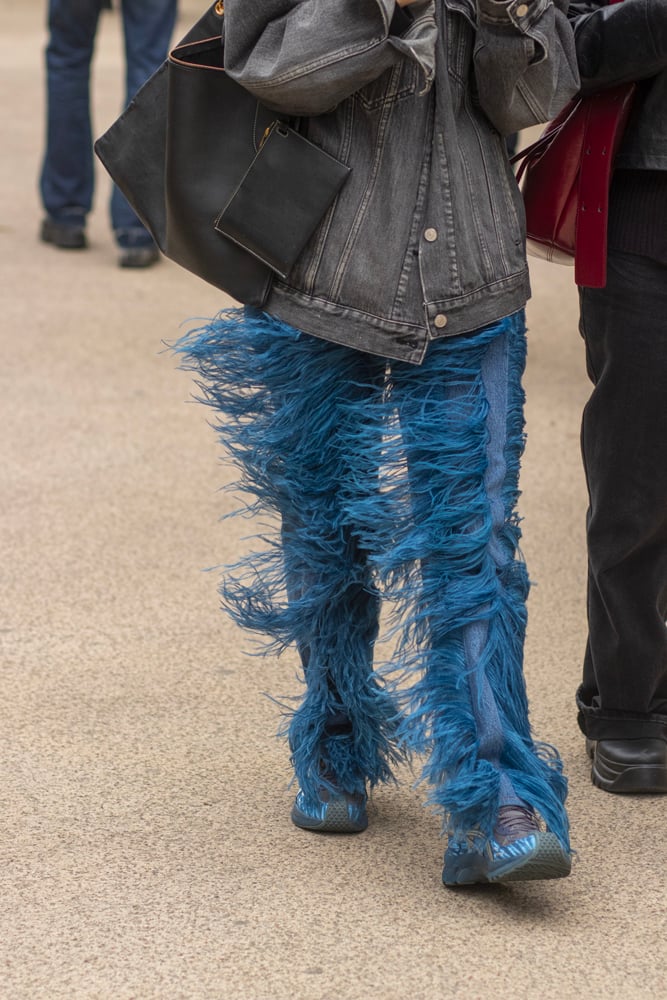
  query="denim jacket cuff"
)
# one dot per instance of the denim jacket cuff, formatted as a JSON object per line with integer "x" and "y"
{"x": 521, "y": 14}
{"x": 418, "y": 42}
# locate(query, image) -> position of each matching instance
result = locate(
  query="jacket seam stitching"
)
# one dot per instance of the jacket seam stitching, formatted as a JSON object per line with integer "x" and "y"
{"x": 314, "y": 65}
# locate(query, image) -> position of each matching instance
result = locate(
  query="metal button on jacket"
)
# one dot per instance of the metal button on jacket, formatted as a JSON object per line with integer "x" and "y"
{"x": 430, "y": 235}
{"x": 440, "y": 321}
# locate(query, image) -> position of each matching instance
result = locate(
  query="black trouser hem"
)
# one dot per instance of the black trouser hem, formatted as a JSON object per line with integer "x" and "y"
{"x": 604, "y": 724}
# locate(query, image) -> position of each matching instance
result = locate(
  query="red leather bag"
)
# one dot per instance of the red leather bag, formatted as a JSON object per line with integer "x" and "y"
{"x": 565, "y": 178}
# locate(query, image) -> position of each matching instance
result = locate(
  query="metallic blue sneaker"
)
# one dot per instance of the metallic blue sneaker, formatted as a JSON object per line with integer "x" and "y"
{"x": 331, "y": 812}
{"x": 519, "y": 851}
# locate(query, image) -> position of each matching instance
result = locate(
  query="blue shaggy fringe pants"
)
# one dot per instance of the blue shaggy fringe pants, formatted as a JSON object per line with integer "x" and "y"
{"x": 395, "y": 483}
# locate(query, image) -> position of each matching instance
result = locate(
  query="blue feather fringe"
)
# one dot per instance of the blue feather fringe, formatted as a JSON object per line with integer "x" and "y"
{"x": 377, "y": 479}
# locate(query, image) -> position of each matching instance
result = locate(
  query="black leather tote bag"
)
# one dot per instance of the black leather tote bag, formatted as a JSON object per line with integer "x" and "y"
{"x": 180, "y": 152}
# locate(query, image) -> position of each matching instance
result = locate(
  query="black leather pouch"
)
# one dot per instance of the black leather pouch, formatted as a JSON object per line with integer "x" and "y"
{"x": 282, "y": 198}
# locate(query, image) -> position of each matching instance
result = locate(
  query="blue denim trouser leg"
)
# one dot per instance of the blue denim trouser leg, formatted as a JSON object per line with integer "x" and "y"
{"x": 485, "y": 708}
{"x": 148, "y": 27}
{"x": 67, "y": 178}
{"x": 463, "y": 436}
{"x": 461, "y": 420}
{"x": 343, "y": 725}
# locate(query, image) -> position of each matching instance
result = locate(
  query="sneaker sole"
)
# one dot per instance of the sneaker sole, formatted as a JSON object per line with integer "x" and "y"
{"x": 467, "y": 869}
{"x": 546, "y": 860}
{"x": 336, "y": 820}
{"x": 623, "y": 779}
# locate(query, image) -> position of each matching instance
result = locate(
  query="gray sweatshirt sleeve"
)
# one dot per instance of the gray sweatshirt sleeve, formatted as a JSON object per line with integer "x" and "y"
{"x": 304, "y": 57}
{"x": 525, "y": 61}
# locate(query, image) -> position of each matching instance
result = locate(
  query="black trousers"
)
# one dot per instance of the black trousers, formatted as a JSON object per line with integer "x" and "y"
{"x": 624, "y": 445}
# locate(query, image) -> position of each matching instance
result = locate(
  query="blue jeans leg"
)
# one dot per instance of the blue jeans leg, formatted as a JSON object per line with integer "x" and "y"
{"x": 464, "y": 615}
{"x": 485, "y": 709}
{"x": 148, "y": 26}
{"x": 66, "y": 182}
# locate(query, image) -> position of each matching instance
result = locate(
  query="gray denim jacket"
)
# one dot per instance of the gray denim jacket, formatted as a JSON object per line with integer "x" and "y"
{"x": 426, "y": 238}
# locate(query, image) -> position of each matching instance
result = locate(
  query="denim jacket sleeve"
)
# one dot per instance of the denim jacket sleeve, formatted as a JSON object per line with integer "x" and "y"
{"x": 304, "y": 57}
{"x": 627, "y": 41}
{"x": 525, "y": 62}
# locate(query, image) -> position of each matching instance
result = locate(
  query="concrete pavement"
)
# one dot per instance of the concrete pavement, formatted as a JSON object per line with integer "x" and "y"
{"x": 146, "y": 851}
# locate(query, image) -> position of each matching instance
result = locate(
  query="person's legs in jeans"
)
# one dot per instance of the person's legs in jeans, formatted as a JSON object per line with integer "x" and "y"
{"x": 148, "y": 26}
{"x": 313, "y": 428}
{"x": 67, "y": 177}
{"x": 333, "y": 599}
{"x": 462, "y": 426}
{"x": 302, "y": 418}
{"x": 624, "y": 690}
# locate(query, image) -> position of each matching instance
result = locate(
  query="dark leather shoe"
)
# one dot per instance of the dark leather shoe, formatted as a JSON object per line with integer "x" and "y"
{"x": 62, "y": 236}
{"x": 139, "y": 256}
{"x": 629, "y": 767}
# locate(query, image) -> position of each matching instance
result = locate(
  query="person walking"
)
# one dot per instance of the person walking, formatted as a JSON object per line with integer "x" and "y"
{"x": 622, "y": 699}
{"x": 67, "y": 175}
{"x": 375, "y": 407}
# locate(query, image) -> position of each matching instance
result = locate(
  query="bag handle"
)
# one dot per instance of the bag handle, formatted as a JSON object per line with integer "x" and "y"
{"x": 606, "y": 114}
{"x": 553, "y": 129}
{"x": 524, "y": 156}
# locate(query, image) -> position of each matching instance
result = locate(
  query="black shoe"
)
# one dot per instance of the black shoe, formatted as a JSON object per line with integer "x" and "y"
{"x": 139, "y": 256}
{"x": 63, "y": 236}
{"x": 629, "y": 767}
